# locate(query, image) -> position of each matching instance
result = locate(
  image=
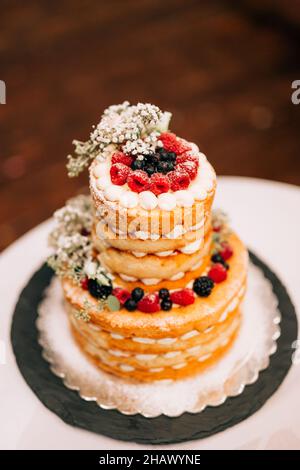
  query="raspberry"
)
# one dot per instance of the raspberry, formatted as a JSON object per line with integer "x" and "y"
{"x": 138, "y": 181}
{"x": 149, "y": 303}
{"x": 120, "y": 157}
{"x": 217, "y": 273}
{"x": 159, "y": 184}
{"x": 190, "y": 167}
{"x": 226, "y": 251}
{"x": 172, "y": 144}
{"x": 186, "y": 157}
{"x": 84, "y": 283}
{"x": 119, "y": 173}
{"x": 183, "y": 297}
{"x": 179, "y": 179}
{"x": 121, "y": 294}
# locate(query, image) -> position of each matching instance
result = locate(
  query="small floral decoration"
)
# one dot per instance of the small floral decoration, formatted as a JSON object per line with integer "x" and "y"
{"x": 134, "y": 129}
{"x": 73, "y": 252}
{"x": 221, "y": 229}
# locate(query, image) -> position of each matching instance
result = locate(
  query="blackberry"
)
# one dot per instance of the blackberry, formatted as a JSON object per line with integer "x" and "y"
{"x": 203, "y": 286}
{"x": 166, "y": 304}
{"x": 218, "y": 258}
{"x": 164, "y": 293}
{"x": 130, "y": 305}
{"x": 137, "y": 164}
{"x": 97, "y": 290}
{"x": 137, "y": 294}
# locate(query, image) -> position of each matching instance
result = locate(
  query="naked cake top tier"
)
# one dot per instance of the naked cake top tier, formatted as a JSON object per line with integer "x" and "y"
{"x": 137, "y": 163}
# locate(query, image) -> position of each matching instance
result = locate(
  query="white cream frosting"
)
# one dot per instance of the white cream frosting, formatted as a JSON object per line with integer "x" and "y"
{"x": 191, "y": 247}
{"x": 129, "y": 199}
{"x": 184, "y": 198}
{"x": 167, "y": 201}
{"x": 148, "y": 200}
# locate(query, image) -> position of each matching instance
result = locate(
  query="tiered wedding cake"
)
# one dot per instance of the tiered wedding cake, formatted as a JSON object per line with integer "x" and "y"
{"x": 153, "y": 281}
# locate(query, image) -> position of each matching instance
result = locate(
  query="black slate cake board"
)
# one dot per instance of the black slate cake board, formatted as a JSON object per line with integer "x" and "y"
{"x": 73, "y": 410}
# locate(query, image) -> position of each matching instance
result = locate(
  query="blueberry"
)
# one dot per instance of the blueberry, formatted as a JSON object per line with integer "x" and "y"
{"x": 161, "y": 150}
{"x": 164, "y": 293}
{"x": 163, "y": 167}
{"x": 218, "y": 258}
{"x": 150, "y": 169}
{"x": 130, "y": 305}
{"x": 137, "y": 294}
{"x": 172, "y": 156}
{"x": 137, "y": 164}
{"x": 166, "y": 304}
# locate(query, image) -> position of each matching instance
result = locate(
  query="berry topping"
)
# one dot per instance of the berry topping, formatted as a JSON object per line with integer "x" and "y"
{"x": 189, "y": 167}
{"x": 149, "y": 304}
{"x": 164, "y": 293}
{"x": 120, "y": 157}
{"x": 165, "y": 156}
{"x": 84, "y": 283}
{"x": 152, "y": 158}
{"x": 183, "y": 297}
{"x": 97, "y": 290}
{"x": 121, "y": 294}
{"x": 179, "y": 179}
{"x": 119, "y": 173}
{"x": 159, "y": 184}
{"x": 130, "y": 305}
{"x": 165, "y": 167}
{"x": 172, "y": 144}
{"x": 218, "y": 258}
{"x": 185, "y": 157}
{"x": 150, "y": 169}
{"x": 138, "y": 181}
{"x": 137, "y": 164}
{"x": 137, "y": 294}
{"x": 218, "y": 273}
{"x": 166, "y": 304}
{"x": 203, "y": 286}
{"x": 227, "y": 251}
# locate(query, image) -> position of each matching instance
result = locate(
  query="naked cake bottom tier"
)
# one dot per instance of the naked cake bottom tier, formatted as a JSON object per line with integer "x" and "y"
{"x": 162, "y": 345}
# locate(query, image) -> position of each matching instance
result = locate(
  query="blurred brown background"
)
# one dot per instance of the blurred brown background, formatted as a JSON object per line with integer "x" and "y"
{"x": 223, "y": 68}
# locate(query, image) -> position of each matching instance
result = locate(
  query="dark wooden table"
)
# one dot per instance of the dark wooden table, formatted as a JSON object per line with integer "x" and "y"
{"x": 224, "y": 72}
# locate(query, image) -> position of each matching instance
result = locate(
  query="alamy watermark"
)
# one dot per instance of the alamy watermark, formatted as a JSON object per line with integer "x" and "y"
{"x": 295, "y": 97}
{"x": 2, "y": 92}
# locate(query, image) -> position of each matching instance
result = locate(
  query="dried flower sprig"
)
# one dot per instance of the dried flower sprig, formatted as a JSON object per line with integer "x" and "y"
{"x": 135, "y": 129}
{"x": 70, "y": 238}
{"x": 220, "y": 223}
